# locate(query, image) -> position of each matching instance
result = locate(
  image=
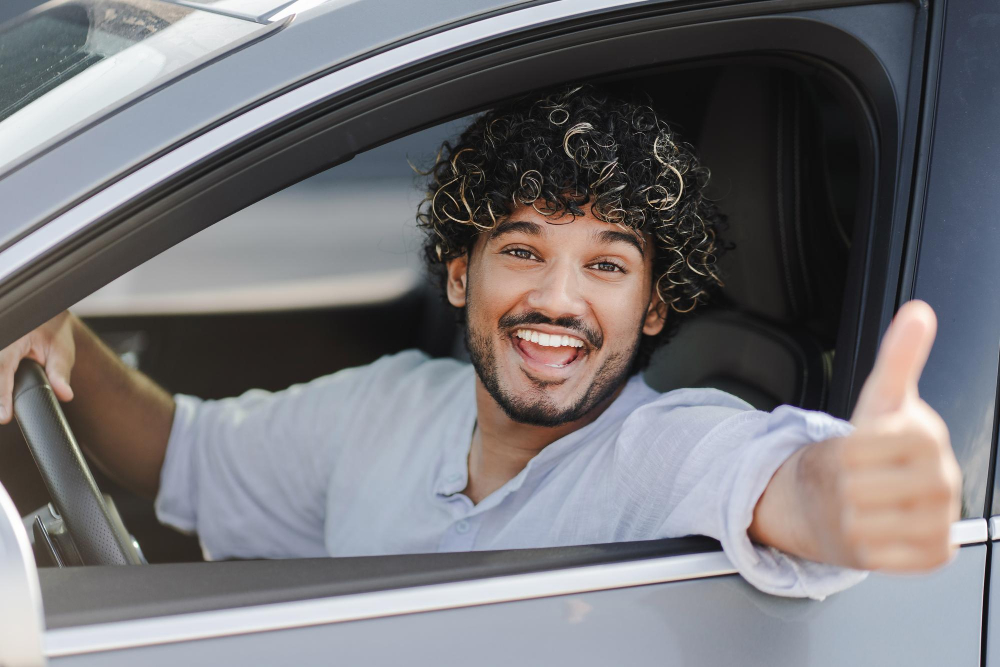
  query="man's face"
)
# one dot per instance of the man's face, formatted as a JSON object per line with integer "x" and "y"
{"x": 555, "y": 308}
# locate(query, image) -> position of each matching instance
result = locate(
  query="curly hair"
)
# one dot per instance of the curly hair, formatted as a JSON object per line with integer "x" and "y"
{"x": 566, "y": 149}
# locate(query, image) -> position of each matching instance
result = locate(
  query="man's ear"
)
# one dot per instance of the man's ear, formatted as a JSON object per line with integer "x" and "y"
{"x": 656, "y": 315}
{"x": 458, "y": 270}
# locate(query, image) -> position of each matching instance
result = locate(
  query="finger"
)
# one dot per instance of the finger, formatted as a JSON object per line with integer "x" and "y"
{"x": 906, "y": 557}
{"x": 58, "y": 368}
{"x": 10, "y": 357}
{"x": 7, "y": 361}
{"x": 893, "y": 440}
{"x": 901, "y": 359}
{"x": 897, "y": 486}
{"x": 929, "y": 524}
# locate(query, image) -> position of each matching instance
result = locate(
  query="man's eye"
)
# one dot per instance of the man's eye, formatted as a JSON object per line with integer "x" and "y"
{"x": 608, "y": 266}
{"x": 520, "y": 253}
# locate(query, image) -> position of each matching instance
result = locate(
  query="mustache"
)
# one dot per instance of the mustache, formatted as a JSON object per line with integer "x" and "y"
{"x": 511, "y": 321}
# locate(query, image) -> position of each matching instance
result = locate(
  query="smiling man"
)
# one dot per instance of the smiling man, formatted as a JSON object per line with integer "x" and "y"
{"x": 571, "y": 233}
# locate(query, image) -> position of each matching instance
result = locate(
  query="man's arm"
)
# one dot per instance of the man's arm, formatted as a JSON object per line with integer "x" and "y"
{"x": 121, "y": 417}
{"x": 884, "y": 497}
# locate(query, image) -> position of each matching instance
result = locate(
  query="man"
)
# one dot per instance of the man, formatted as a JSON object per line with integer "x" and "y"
{"x": 571, "y": 232}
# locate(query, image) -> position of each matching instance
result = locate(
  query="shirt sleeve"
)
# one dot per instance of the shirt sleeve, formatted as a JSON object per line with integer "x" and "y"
{"x": 698, "y": 463}
{"x": 249, "y": 474}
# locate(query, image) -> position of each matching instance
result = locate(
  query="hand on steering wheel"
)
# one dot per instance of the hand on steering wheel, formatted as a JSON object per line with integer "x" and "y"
{"x": 28, "y": 394}
{"x": 52, "y": 346}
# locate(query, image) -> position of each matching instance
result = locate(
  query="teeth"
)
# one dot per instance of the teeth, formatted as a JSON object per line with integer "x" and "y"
{"x": 548, "y": 340}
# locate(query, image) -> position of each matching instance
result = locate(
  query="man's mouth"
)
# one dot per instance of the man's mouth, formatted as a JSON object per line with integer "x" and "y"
{"x": 552, "y": 350}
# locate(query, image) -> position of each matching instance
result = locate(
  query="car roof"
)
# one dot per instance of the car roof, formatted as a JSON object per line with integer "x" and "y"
{"x": 332, "y": 33}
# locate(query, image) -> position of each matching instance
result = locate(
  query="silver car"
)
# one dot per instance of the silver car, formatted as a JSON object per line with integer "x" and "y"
{"x": 855, "y": 143}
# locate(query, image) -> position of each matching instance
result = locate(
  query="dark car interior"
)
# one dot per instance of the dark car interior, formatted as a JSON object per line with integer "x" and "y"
{"x": 787, "y": 171}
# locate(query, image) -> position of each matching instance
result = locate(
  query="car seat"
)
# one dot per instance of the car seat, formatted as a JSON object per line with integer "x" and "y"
{"x": 769, "y": 339}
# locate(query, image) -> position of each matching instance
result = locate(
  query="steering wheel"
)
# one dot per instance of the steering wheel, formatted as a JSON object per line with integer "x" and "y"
{"x": 98, "y": 534}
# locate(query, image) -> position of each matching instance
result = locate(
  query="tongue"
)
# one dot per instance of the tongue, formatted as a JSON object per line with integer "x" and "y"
{"x": 557, "y": 356}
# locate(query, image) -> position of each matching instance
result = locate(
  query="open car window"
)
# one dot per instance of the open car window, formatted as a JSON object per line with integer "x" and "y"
{"x": 333, "y": 263}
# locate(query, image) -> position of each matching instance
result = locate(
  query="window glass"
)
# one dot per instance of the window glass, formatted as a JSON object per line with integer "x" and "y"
{"x": 69, "y": 61}
{"x": 957, "y": 268}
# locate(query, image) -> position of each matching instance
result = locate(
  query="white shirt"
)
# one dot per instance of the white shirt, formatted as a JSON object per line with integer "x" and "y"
{"x": 372, "y": 460}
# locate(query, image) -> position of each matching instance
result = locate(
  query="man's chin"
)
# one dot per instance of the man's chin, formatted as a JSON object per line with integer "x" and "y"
{"x": 535, "y": 412}
{"x": 539, "y": 395}
{"x": 542, "y": 400}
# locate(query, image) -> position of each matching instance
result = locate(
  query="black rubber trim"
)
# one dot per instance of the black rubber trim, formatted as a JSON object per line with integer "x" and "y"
{"x": 87, "y": 595}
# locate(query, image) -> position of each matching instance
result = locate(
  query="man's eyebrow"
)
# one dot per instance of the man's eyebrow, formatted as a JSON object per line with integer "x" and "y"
{"x": 613, "y": 236}
{"x": 513, "y": 226}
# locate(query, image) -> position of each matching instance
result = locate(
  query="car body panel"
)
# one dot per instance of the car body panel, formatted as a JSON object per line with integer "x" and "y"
{"x": 716, "y": 621}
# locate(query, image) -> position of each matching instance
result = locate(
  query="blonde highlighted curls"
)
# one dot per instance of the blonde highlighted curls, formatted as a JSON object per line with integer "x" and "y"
{"x": 561, "y": 151}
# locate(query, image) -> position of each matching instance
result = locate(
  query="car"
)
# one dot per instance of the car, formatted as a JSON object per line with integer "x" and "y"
{"x": 852, "y": 151}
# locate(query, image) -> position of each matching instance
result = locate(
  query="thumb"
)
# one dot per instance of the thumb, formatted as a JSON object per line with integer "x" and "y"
{"x": 901, "y": 359}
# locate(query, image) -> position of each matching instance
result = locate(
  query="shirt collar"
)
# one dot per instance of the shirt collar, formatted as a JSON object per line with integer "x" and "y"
{"x": 453, "y": 474}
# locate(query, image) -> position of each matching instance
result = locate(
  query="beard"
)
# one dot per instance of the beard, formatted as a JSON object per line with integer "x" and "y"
{"x": 613, "y": 373}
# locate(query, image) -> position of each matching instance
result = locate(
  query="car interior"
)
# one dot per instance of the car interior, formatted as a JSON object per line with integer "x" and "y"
{"x": 325, "y": 275}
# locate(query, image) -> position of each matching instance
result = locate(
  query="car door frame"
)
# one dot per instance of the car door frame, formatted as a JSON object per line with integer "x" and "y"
{"x": 123, "y": 224}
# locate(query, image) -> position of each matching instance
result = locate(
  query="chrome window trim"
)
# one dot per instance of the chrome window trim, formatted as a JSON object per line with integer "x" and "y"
{"x": 21, "y": 618}
{"x": 212, "y": 10}
{"x": 969, "y": 531}
{"x": 77, "y": 219}
{"x": 994, "y": 528}
{"x": 286, "y": 615}
{"x": 296, "y": 7}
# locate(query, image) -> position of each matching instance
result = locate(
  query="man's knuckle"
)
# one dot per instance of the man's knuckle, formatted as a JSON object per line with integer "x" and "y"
{"x": 890, "y": 427}
{"x": 853, "y": 535}
{"x": 938, "y": 486}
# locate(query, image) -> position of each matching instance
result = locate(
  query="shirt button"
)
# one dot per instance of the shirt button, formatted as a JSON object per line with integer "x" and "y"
{"x": 462, "y": 527}
{"x": 454, "y": 477}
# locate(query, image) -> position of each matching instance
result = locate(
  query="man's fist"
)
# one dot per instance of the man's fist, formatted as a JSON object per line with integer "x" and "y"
{"x": 52, "y": 346}
{"x": 894, "y": 482}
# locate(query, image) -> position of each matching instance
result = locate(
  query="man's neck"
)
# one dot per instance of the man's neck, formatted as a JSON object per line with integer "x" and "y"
{"x": 502, "y": 447}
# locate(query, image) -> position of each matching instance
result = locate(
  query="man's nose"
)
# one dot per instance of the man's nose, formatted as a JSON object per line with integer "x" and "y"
{"x": 558, "y": 293}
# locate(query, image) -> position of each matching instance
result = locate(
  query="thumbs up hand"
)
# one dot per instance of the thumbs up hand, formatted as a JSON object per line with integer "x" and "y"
{"x": 884, "y": 497}
{"x": 897, "y": 480}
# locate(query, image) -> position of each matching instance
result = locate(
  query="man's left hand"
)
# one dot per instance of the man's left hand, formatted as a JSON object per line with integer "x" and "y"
{"x": 884, "y": 497}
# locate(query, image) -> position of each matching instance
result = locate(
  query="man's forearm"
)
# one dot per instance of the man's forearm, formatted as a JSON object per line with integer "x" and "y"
{"x": 121, "y": 417}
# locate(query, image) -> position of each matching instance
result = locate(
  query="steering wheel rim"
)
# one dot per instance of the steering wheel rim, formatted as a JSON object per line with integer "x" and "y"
{"x": 100, "y": 539}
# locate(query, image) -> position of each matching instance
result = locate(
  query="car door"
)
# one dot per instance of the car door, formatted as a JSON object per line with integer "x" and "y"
{"x": 677, "y": 600}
